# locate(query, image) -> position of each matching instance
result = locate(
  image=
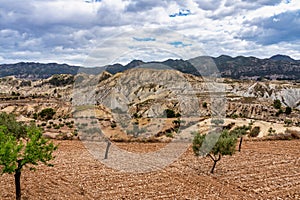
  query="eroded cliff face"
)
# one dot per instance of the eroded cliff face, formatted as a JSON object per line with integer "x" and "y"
{"x": 147, "y": 93}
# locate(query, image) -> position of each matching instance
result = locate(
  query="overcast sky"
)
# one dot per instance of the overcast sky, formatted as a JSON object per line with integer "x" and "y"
{"x": 98, "y": 32}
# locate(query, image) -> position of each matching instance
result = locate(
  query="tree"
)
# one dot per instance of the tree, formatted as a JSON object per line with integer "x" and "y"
{"x": 14, "y": 127}
{"x": 277, "y": 104}
{"x": 225, "y": 145}
{"x": 239, "y": 132}
{"x": 170, "y": 113}
{"x": 17, "y": 152}
{"x": 255, "y": 131}
{"x": 288, "y": 110}
{"x": 47, "y": 113}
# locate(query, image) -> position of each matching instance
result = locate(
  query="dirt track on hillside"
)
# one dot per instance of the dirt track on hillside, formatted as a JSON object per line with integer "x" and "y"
{"x": 263, "y": 170}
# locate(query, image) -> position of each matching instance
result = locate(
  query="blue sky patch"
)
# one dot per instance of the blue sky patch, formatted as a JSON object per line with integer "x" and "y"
{"x": 182, "y": 12}
{"x": 147, "y": 39}
{"x": 179, "y": 44}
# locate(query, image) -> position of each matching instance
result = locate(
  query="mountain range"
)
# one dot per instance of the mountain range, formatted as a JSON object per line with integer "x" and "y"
{"x": 279, "y": 67}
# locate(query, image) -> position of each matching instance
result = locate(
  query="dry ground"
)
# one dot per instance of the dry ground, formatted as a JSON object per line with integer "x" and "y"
{"x": 263, "y": 170}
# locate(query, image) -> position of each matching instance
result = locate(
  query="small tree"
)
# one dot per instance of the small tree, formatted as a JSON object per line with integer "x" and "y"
{"x": 225, "y": 145}
{"x": 255, "y": 131}
{"x": 17, "y": 152}
{"x": 47, "y": 113}
{"x": 239, "y": 132}
{"x": 288, "y": 110}
{"x": 277, "y": 104}
{"x": 170, "y": 113}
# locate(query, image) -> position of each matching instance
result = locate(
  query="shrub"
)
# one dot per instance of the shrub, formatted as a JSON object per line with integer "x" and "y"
{"x": 47, "y": 113}
{"x": 255, "y": 131}
{"x": 113, "y": 125}
{"x": 288, "y": 110}
{"x": 277, "y": 104}
{"x": 279, "y": 112}
{"x": 170, "y": 113}
{"x": 240, "y": 131}
{"x": 271, "y": 131}
{"x": 288, "y": 122}
{"x": 217, "y": 121}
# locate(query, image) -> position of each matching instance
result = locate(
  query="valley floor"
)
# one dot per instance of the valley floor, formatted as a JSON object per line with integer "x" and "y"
{"x": 263, "y": 170}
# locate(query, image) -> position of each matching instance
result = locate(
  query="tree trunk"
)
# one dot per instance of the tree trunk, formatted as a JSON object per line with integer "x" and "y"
{"x": 215, "y": 162}
{"x": 18, "y": 184}
{"x": 107, "y": 149}
{"x": 240, "y": 145}
{"x": 213, "y": 167}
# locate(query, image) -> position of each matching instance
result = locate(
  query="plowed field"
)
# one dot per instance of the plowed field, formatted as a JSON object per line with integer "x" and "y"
{"x": 263, "y": 170}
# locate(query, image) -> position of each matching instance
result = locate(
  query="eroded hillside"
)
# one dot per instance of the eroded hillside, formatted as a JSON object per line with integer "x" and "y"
{"x": 142, "y": 97}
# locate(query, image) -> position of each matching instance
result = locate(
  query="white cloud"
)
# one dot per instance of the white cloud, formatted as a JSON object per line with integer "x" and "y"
{"x": 67, "y": 30}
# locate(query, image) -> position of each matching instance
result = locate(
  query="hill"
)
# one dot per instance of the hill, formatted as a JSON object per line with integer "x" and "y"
{"x": 278, "y": 67}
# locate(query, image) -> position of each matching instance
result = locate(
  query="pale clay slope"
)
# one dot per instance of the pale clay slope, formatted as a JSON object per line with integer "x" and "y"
{"x": 149, "y": 92}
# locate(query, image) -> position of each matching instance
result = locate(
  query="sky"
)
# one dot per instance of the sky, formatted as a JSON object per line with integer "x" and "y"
{"x": 100, "y": 32}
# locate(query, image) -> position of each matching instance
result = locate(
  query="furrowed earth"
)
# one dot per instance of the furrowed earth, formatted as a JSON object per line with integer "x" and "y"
{"x": 262, "y": 170}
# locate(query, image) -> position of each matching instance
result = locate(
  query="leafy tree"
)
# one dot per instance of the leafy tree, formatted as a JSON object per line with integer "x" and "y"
{"x": 18, "y": 151}
{"x": 14, "y": 127}
{"x": 170, "y": 113}
{"x": 255, "y": 131}
{"x": 47, "y": 113}
{"x": 277, "y": 104}
{"x": 288, "y": 110}
{"x": 239, "y": 132}
{"x": 279, "y": 112}
{"x": 225, "y": 145}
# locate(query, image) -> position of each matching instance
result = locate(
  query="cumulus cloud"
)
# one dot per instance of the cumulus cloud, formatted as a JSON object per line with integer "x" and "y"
{"x": 284, "y": 27}
{"x": 67, "y": 30}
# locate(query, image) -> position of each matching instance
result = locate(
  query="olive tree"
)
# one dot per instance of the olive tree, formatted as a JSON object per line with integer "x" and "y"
{"x": 19, "y": 150}
{"x": 204, "y": 146}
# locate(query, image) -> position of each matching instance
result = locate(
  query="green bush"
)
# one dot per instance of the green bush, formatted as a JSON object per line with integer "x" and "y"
{"x": 169, "y": 113}
{"x": 288, "y": 110}
{"x": 240, "y": 130}
{"x": 217, "y": 121}
{"x": 113, "y": 125}
{"x": 277, "y": 104}
{"x": 255, "y": 131}
{"x": 288, "y": 122}
{"x": 47, "y": 113}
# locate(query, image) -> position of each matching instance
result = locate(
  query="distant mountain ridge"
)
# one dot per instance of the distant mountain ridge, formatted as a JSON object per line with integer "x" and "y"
{"x": 276, "y": 67}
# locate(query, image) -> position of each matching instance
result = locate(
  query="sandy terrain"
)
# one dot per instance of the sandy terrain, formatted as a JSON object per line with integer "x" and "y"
{"x": 263, "y": 170}
{"x": 264, "y": 125}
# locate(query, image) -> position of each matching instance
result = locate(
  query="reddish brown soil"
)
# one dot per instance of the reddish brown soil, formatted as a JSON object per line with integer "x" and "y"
{"x": 263, "y": 170}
